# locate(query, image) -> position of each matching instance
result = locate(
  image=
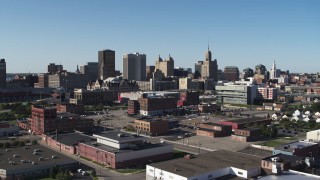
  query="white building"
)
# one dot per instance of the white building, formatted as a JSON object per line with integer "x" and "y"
{"x": 206, "y": 166}
{"x": 313, "y": 135}
{"x": 274, "y": 72}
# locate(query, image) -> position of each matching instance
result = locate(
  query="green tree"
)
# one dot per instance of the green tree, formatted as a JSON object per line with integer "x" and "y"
{"x": 311, "y": 124}
{"x": 315, "y": 107}
{"x": 34, "y": 142}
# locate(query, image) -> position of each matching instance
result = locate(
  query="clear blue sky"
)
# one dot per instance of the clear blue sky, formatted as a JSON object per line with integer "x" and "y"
{"x": 242, "y": 33}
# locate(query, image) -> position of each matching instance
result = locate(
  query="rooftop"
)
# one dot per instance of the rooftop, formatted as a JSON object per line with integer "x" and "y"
{"x": 209, "y": 162}
{"x": 73, "y": 138}
{"x": 289, "y": 175}
{"x": 215, "y": 124}
{"x": 295, "y": 145}
{"x": 286, "y": 158}
{"x": 118, "y": 136}
{"x": 129, "y": 149}
{"x": 26, "y": 153}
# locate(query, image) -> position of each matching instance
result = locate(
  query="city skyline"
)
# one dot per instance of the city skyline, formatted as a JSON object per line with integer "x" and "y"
{"x": 239, "y": 33}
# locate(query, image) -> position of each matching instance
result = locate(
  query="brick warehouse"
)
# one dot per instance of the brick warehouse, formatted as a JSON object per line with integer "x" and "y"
{"x": 214, "y": 130}
{"x": 45, "y": 119}
{"x": 114, "y": 149}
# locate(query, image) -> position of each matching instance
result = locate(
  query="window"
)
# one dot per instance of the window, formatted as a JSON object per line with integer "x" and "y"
{"x": 241, "y": 173}
{"x": 151, "y": 170}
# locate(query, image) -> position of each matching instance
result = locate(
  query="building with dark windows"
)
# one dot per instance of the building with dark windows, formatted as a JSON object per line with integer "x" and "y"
{"x": 106, "y": 64}
{"x": 54, "y": 68}
{"x": 90, "y": 69}
{"x": 231, "y": 73}
{"x": 3, "y": 73}
{"x": 150, "y": 71}
{"x": 134, "y": 67}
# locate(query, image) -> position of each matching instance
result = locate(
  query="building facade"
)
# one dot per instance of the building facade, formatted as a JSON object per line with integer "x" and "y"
{"x": 54, "y": 68}
{"x": 231, "y": 73}
{"x": 165, "y": 66}
{"x": 153, "y": 127}
{"x": 106, "y": 64}
{"x": 134, "y": 67}
{"x": 236, "y": 94}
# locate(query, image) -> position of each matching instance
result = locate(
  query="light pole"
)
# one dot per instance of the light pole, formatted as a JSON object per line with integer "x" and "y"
{"x": 270, "y": 126}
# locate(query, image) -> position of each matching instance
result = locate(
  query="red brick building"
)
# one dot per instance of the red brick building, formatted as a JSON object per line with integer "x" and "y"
{"x": 70, "y": 108}
{"x": 153, "y": 127}
{"x": 246, "y": 134}
{"x": 214, "y": 130}
{"x": 133, "y": 107}
{"x": 43, "y": 119}
{"x": 155, "y": 105}
{"x": 243, "y": 123}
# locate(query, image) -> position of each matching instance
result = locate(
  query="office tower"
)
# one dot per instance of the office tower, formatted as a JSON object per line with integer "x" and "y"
{"x": 106, "y": 64}
{"x": 3, "y": 73}
{"x": 166, "y": 66}
{"x": 260, "y": 74}
{"x": 260, "y": 69}
{"x": 197, "y": 69}
{"x": 247, "y": 72}
{"x": 53, "y": 68}
{"x": 134, "y": 67}
{"x": 209, "y": 68}
{"x": 91, "y": 69}
{"x": 231, "y": 73}
{"x": 150, "y": 71}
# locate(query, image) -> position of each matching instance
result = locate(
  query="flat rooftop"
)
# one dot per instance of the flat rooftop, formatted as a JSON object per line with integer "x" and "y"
{"x": 295, "y": 145}
{"x": 287, "y": 158}
{"x": 26, "y": 153}
{"x": 119, "y": 136}
{"x": 73, "y": 138}
{"x": 115, "y": 150}
{"x": 289, "y": 175}
{"x": 215, "y": 124}
{"x": 208, "y": 162}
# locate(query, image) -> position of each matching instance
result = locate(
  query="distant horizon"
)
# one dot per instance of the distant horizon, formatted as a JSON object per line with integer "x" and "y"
{"x": 240, "y": 33}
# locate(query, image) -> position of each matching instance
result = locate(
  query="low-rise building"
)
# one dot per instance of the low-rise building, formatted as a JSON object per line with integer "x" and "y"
{"x": 121, "y": 150}
{"x": 70, "y": 108}
{"x": 243, "y": 123}
{"x": 8, "y": 130}
{"x": 153, "y": 127}
{"x": 32, "y": 162}
{"x": 246, "y": 134}
{"x": 299, "y": 148}
{"x": 210, "y": 165}
{"x": 275, "y": 164}
{"x": 214, "y": 130}
{"x": 313, "y": 135}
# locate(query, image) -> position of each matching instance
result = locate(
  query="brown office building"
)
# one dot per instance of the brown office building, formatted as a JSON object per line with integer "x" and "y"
{"x": 53, "y": 68}
{"x": 153, "y": 127}
{"x": 231, "y": 73}
{"x": 106, "y": 64}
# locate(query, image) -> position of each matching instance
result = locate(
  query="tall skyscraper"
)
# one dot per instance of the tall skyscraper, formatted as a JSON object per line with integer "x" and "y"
{"x": 209, "y": 68}
{"x": 166, "y": 66}
{"x": 3, "y": 73}
{"x": 134, "y": 67}
{"x": 106, "y": 64}
{"x": 274, "y": 72}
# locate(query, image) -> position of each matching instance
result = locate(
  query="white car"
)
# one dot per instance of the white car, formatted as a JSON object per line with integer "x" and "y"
{"x": 79, "y": 170}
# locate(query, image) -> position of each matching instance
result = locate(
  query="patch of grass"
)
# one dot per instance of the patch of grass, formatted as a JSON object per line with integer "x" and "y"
{"x": 272, "y": 143}
{"x": 85, "y": 158}
{"x": 289, "y": 138}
